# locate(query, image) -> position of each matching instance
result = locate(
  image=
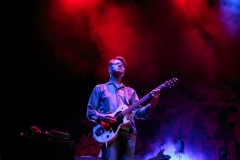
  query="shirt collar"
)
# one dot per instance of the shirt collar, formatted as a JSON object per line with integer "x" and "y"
{"x": 111, "y": 82}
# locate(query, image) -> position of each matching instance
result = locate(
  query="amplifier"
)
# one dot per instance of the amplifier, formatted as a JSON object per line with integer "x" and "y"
{"x": 35, "y": 148}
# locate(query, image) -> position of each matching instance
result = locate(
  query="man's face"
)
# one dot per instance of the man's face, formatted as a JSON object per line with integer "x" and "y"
{"x": 117, "y": 68}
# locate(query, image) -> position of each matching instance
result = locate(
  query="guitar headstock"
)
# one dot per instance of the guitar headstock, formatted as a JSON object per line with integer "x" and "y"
{"x": 170, "y": 83}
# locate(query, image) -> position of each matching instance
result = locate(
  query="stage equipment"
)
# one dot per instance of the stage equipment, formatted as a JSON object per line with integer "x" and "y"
{"x": 161, "y": 156}
{"x": 178, "y": 148}
{"x": 135, "y": 157}
{"x": 54, "y": 134}
{"x": 87, "y": 158}
{"x": 36, "y": 145}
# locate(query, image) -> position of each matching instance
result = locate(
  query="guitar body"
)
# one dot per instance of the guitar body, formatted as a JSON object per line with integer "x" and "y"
{"x": 103, "y": 133}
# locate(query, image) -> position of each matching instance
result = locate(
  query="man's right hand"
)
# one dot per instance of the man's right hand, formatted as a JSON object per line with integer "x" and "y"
{"x": 107, "y": 119}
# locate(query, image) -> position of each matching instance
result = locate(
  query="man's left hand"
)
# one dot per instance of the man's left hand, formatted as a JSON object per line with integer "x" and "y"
{"x": 155, "y": 94}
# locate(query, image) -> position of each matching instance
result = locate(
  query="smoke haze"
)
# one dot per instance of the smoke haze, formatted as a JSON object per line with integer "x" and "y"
{"x": 161, "y": 38}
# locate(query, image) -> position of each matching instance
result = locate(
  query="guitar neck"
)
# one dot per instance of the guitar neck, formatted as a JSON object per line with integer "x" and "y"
{"x": 140, "y": 101}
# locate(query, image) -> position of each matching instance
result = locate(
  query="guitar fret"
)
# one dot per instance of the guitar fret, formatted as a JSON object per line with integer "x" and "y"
{"x": 143, "y": 99}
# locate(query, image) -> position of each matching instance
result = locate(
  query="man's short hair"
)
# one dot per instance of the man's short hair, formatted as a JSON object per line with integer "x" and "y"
{"x": 119, "y": 58}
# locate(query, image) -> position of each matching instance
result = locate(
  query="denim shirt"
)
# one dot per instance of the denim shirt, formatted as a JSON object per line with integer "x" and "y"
{"x": 105, "y": 99}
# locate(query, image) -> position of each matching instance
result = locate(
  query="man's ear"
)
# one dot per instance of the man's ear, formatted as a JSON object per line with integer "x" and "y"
{"x": 110, "y": 69}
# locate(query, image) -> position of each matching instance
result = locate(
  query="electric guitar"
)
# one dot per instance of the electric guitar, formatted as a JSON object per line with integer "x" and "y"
{"x": 105, "y": 133}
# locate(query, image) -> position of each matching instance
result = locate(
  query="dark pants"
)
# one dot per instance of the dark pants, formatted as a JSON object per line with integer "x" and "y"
{"x": 122, "y": 148}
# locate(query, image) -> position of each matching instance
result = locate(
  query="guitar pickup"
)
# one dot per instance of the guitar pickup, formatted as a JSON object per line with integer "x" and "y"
{"x": 99, "y": 131}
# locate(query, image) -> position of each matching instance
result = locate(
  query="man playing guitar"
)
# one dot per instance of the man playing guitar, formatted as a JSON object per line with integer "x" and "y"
{"x": 108, "y": 107}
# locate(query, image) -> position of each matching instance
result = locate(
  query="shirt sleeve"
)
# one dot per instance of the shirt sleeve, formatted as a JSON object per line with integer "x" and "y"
{"x": 92, "y": 106}
{"x": 141, "y": 111}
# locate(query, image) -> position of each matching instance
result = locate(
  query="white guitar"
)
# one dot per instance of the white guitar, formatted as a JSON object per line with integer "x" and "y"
{"x": 104, "y": 133}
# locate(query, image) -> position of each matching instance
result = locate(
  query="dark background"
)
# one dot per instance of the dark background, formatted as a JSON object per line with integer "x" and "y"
{"x": 40, "y": 89}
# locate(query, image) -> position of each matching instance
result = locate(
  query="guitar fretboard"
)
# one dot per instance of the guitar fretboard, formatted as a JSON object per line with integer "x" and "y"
{"x": 136, "y": 104}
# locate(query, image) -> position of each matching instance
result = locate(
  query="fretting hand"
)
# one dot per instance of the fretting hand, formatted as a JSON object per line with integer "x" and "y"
{"x": 155, "y": 94}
